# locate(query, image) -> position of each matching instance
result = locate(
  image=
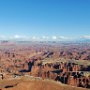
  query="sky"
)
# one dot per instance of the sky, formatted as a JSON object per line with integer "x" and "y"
{"x": 44, "y": 19}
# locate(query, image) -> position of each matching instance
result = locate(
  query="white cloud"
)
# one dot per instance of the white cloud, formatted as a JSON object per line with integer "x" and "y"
{"x": 20, "y": 37}
{"x": 14, "y": 37}
{"x": 2, "y": 37}
{"x": 86, "y": 36}
{"x": 45, "y": 37}
{"x": 36, "y": 38}
{"x": 65, "y": 38}
{"x": 60, "y": 38}
{"x": 17, "y": 36}
{"x": 54, "y": 37}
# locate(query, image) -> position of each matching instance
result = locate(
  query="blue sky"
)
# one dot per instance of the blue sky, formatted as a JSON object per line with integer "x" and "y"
{"x": 44, "y": 18}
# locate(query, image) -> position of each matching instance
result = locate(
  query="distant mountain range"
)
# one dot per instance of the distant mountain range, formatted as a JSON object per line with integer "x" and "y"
{"x": 81, "y": 40}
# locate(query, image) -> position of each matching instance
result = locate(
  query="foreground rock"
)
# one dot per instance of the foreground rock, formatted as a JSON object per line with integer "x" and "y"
{"x": 31, "y": 83}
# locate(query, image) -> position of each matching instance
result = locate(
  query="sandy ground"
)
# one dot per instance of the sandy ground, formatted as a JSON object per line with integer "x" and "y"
{"x": 31, "y": 83}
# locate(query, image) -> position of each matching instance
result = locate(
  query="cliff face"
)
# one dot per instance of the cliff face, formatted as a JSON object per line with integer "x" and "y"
{"x": 47, "y": 62}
